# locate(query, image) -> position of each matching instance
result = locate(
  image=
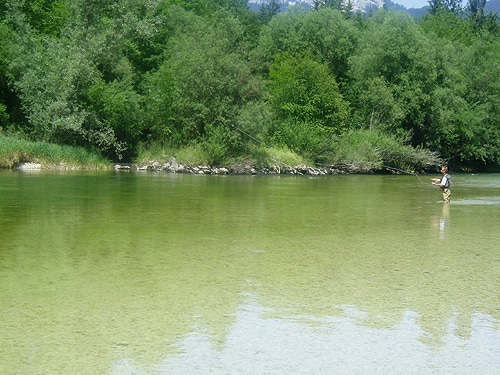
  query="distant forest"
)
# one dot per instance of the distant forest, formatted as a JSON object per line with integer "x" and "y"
{"x": 329, "y": 84}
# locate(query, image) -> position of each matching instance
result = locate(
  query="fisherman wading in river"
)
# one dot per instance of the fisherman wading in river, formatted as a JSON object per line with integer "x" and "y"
{"x": 444, "y": 183}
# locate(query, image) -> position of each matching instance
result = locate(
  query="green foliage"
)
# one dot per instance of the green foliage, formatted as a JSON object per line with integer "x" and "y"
{"x": 466, "y": 108}
{"x": 448, "y": 26}
{"x": 302, "y": 89}
{"x": 266, "y": 157}
{"x": 304, "y": 138}
{"x": 45, "y": 16}
{"x": 14, "y": 151}
{"x": 331, "y": 37}
{"x": 117, "y": 107}
{"x": 368, "y": 150}
{"x": 393, "y": 74}
{"x": 444, "y": 6}
{"x": 268, "y": 9}
{"x": 220, "y": 143}
{"x": 203, "y": 83}
{"x": 4, "y": 116}
{"x": 199, "y": 7}
{"x": 326, "y": 33}
{"x": 307, "y": 102}
{"x": 208, "y": 75}
{"x": 48, "y": 90}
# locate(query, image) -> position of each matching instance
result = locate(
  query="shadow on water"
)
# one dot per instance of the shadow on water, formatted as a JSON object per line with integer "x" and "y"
{"x": 171, "y": 274}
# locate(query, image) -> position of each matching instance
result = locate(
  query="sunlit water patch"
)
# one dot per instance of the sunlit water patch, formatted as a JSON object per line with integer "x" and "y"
{"x": 479, "y": 201}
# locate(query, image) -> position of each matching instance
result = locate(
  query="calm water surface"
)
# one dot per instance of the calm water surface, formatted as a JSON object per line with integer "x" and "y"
{"x": 130, "y": 273}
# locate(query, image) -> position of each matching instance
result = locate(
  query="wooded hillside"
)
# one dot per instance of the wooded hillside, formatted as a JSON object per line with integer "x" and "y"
{"x": 121, "y": 76}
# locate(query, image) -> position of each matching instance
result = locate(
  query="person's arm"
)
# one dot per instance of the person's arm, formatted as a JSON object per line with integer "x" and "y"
{"x": 441, "y": 183}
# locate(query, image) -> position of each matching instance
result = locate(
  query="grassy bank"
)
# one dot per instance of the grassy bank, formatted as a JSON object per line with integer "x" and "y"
{"x": 257, "y": 157}
{"x": 360, "y": 151}
{"x": 14, "y": 151}
{"x": 354, "y": 151}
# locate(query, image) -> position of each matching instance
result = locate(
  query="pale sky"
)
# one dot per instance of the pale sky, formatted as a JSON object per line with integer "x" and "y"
{"x": 412, "y": 3}
{"x": 415, "y": 3}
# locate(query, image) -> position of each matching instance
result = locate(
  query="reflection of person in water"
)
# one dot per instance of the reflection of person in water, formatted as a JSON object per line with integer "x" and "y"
{"x": 441, "y": 222}
{"x": 444, "y": 183}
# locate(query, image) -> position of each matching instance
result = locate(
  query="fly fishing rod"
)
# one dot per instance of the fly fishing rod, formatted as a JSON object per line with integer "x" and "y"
{"x": 403, "y": 171}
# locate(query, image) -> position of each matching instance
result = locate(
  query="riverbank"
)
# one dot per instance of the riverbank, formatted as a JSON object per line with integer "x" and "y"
{"x": 16, "y": 153}
{"x": 173, "y": 166}
{"x": 24, "y": 155}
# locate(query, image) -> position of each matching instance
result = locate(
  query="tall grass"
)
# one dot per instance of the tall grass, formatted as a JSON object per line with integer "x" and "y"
{"x": 14, "y": 151}
{"x": 257, "y": 156}
{"x": 360, "y": 151}
{"x": 188, "y": 155}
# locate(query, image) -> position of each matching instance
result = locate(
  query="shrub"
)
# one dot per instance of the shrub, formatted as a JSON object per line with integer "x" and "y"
{"x": 374, "y": 150}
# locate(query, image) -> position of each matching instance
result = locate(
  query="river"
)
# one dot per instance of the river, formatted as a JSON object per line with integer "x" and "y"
{"x": 127, "y": 273}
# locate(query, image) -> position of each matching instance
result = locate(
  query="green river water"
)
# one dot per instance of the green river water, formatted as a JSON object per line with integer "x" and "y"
{"x": 127, "y": 273}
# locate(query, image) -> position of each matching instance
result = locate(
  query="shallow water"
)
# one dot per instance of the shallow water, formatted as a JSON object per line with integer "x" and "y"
{"x": 142, "y": 273}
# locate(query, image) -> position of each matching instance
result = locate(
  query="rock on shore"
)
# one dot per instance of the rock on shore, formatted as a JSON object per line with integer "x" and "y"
{"x": 29, "y": 166}
{"x": 174, "y": 167}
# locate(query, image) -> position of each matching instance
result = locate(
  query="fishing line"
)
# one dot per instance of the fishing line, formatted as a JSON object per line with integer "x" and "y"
{"x": 402, "y": 170}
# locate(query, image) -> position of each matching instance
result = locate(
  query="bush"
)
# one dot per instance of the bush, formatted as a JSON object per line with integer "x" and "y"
{"x": 220, "y": 144}
{"x": 370, "y": 150}
{"x": 307, "y": 139}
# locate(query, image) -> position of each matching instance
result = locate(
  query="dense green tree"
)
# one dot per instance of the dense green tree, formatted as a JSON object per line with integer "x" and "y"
{"x": 307, "y": 101}
{"x": 114, "y": 74}
{"x": 268, "y": 9}
{"x": 202, "y": 84}
{"x": 51, "y": 75}
{"x": 334, "y": 4}
{"x": 44, "y": 16}
{"x": 464, "y": 125}
{"x": 326, "y": 33}
{"x": 481, "y": 22}
{"x": 5, "y": 35}
{"x": 393, "y": 73}
{"x": 303, "y": 89}
{"x": 331, "y": 37}
{"x": 475, "y": 124}
{"x": 437, "y": 6}
{"x": 449, "y": 26}
{"x": 117, "y": 108}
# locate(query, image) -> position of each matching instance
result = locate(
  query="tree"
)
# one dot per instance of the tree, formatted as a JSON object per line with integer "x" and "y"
{"x": 5, "y": 93}
{"x": 46, "y": 17}
{"x": 268, "y": 9}
{"x": 307, "y": 103}
{"x": 463, "y": 122}
{"x": 392, "y": 75}
{"x": 326, "y": 33}
{"x": 202, "y": 85}
{"x": 331, "y": 37}
{"x": 480, "y": 21}
{"x": 437, "y": 6}
{"x": 333, "y": 4}
{"x": 117, "y": 110}
{"x": 465, "y": 104}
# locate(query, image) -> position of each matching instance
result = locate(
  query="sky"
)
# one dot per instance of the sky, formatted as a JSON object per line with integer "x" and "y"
{"x": 412, "y": 3}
